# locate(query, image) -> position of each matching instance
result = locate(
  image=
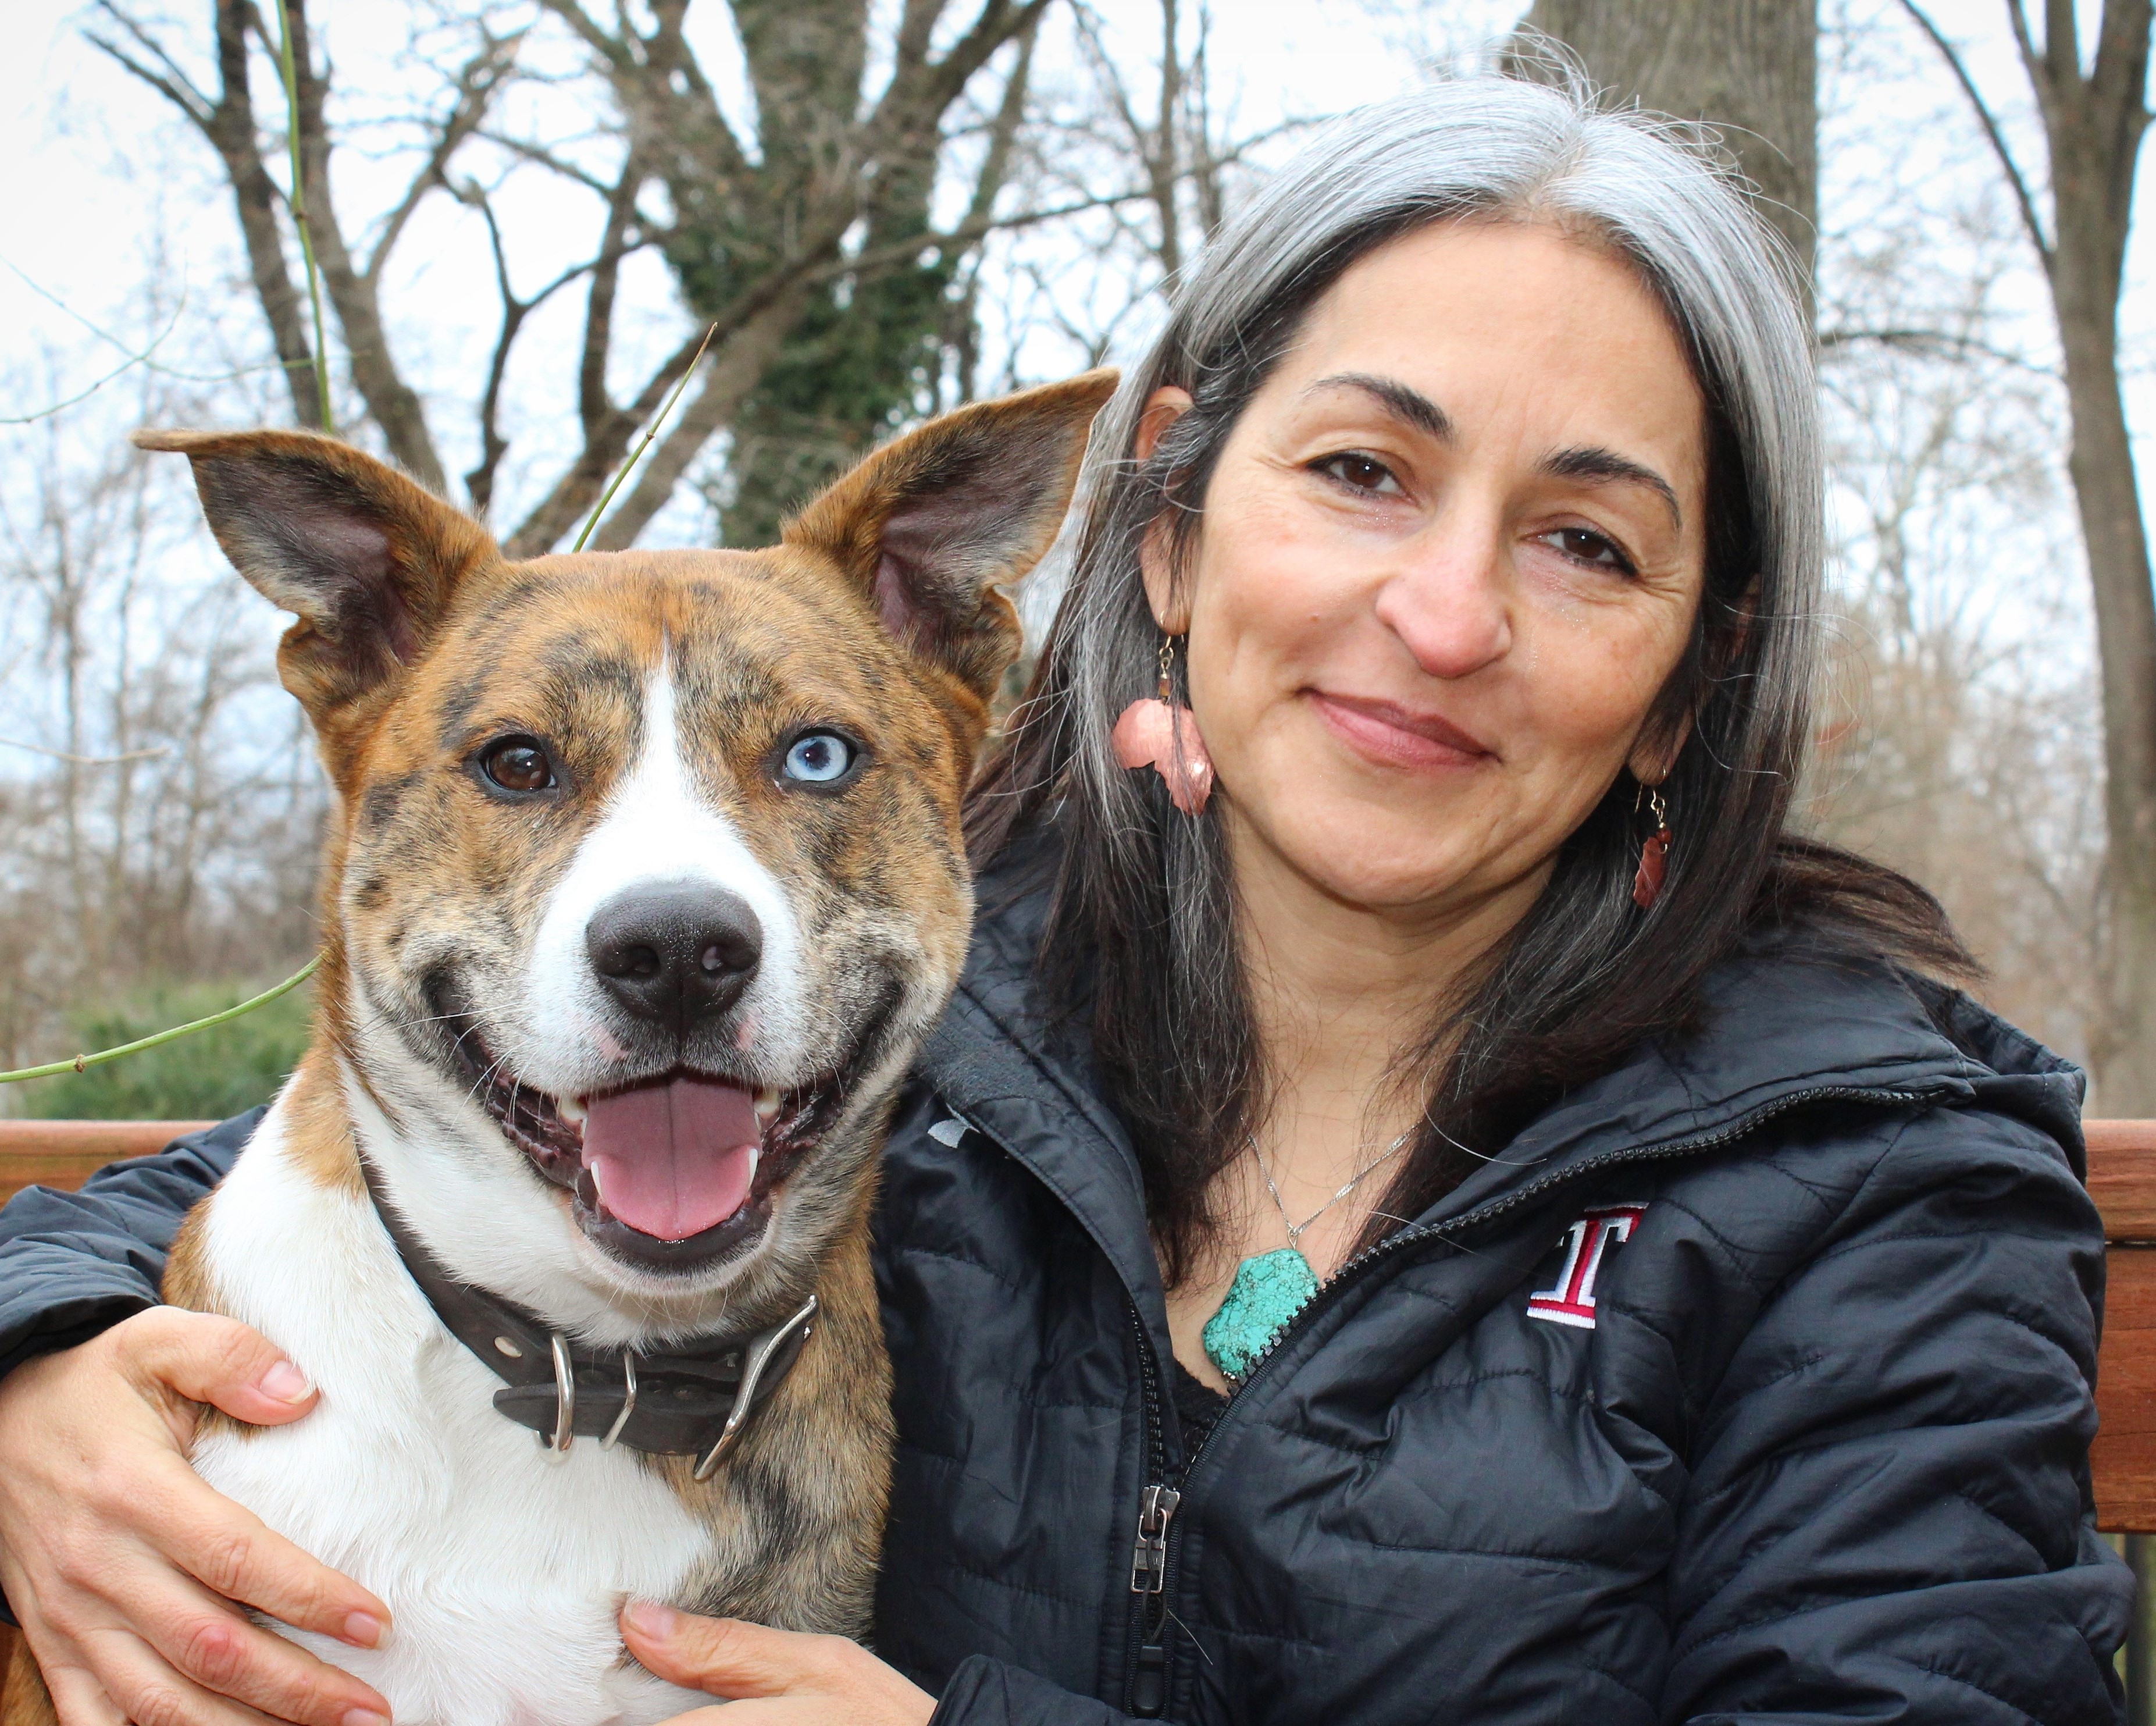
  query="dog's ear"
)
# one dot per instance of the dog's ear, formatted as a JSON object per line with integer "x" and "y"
{"x": 933, "y": 523}
{"x": 368, "y": 558}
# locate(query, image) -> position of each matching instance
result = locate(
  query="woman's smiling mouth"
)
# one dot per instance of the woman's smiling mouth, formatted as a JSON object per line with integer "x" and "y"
{"x": 1393, "y": 736}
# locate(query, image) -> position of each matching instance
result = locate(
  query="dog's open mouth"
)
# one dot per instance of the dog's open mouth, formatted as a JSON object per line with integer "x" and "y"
{"x": 670, "y": 1173}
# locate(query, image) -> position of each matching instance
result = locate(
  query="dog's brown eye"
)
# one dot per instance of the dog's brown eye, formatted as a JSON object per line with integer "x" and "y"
{"x": 518, "y": 764}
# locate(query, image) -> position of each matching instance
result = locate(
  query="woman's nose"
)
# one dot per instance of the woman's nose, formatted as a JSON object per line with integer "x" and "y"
{"x": 1450, "y": 604}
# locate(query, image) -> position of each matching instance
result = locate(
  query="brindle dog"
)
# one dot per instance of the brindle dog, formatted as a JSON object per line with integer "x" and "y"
{"x": 644, "y": 881}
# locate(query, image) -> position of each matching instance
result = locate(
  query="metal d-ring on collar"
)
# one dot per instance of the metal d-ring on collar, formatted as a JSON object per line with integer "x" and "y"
{"x": 565, "y": 1398}
{"x": 564, "y": 1437}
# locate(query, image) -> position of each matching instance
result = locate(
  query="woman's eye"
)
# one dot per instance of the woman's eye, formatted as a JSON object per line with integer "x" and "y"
{"x": 1364, "y": 473}
{"x": 518, "y": 764}
{"x": 819, "y": 758}
{"x": 1583, "y": 545}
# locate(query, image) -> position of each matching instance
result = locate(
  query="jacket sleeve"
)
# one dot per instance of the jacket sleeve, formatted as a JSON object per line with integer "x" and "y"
{"x": 73, "y": 1264}
{"x": 1889, "y": 1515}
{"x": 989, "y": 1692}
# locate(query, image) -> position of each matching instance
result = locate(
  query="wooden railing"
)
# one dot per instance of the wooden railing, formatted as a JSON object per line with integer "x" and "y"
{"x": 2122, "y": 1179}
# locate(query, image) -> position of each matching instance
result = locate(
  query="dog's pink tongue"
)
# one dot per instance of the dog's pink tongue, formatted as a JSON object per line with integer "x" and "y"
{"x": 673, "y": 1159}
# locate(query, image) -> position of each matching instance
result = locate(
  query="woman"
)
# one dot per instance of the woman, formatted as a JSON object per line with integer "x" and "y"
{"x": 1474, "y": 1221}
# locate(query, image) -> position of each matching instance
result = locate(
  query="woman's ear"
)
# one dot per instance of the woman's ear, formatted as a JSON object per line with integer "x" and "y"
{"x": 1170, "y": 610}
{"x": 1652, "y": 758}
{"x": 1662, "y": 739}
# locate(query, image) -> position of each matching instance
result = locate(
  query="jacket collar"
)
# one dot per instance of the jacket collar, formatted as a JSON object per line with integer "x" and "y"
{"x": 1784, "y": 1023}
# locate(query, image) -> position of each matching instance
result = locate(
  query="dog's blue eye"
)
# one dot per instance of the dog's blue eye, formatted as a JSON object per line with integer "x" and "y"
{"x": 819, "y": 757}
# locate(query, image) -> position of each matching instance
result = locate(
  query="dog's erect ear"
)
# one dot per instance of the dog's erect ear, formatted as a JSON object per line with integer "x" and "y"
{"x": 367, "y": 559}
{"x": 933, "y": 522}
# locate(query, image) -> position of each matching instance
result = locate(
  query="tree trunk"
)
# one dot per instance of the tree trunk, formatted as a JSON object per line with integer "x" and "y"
{"x": 1749, "y": 68}
{"x": 2093, "y": 124}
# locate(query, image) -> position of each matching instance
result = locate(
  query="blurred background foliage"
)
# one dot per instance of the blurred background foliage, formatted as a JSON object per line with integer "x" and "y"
{"x": 208, "y": 1077}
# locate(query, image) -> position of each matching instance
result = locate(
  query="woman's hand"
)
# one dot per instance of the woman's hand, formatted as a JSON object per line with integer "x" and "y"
{"x": 794, "y": 1680}
{"x": 122, "y": 1566}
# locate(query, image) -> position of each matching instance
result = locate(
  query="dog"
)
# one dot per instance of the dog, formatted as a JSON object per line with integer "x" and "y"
{"x": 645, "y": 880}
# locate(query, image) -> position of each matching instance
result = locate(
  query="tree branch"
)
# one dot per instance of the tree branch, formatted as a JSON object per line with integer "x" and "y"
{"x": 172, "y": 82}
{"x": 475, "y": 86}
{"x": 394, "y": 403}
{"x": 2030, "y": 219}
{"x": 592, "y": 404}
{"x": 229, "y": 124}
{"x": 732, "y": 374}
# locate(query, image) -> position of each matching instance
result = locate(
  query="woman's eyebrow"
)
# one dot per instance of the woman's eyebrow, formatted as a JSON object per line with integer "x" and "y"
{"x": 1409, "y": 406}
{"x": 1607, "y": 466}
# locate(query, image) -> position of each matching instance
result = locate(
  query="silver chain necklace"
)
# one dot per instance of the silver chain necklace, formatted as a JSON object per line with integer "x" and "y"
{"x": 1295, "y": 1229}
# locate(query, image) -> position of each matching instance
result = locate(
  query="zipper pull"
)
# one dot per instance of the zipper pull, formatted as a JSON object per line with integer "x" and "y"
{"x": 1149, "y": 1684}
{"x": 1149, "y": 1557}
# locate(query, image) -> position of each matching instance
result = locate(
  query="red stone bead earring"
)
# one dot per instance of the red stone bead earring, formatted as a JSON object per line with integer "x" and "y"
{"x": 1160, "y": 733}
{"x": 1654, "y": 855}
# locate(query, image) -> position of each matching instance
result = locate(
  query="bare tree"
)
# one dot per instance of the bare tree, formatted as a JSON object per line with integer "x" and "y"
{"x": 2093, "y": 122}
{"x": 1746, "y": 68}
{"x": 837, "y": 185}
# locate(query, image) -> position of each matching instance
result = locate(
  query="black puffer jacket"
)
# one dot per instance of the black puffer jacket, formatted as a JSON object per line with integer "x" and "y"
{"x": 1751, "y": 1383}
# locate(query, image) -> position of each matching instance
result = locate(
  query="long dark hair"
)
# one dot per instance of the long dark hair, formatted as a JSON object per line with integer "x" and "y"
{"x": 1142, "y": 935}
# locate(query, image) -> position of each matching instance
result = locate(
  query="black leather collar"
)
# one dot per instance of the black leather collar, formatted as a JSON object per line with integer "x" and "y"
{"x": 688, "y": 1401}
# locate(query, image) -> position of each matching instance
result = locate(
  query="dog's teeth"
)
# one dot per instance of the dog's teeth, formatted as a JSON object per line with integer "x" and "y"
{"x": 766, "y": 1104}
{"x": 570, "y": 1109}
{"x": 755, "y": 1157}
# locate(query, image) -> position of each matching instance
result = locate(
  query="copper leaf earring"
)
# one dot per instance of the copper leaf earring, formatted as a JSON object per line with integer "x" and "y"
{"x": 1654, "y": 855}
{"x": 1159, "y": 733}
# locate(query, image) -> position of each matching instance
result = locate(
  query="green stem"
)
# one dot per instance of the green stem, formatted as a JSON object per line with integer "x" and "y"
{"x": 636, "y": 454}
{"x": 290, "y": 69}
{"x": 52, "y": 1067}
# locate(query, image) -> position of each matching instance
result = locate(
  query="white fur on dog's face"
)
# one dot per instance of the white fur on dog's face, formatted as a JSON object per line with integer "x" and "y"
{"x": 661, "y": 826}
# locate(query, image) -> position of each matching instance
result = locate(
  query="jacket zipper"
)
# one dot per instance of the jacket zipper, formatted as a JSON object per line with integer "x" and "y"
{"x": 1153, "y": 1558}
{"x": 1145, "y": 1675}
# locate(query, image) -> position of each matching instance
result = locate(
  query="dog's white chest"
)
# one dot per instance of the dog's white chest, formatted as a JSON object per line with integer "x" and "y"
{"x": 503, "y": 1568}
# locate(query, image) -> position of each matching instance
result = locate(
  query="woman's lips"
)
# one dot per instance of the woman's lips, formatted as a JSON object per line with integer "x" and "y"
{"x": 1395, "y": 735}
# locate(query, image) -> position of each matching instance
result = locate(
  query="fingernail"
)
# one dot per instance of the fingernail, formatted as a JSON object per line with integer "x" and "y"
{"x": 363, "y": 1716}
{"x": 653, "y": 1620}
{"x": 286, "y": 1382}
{"x": 362, "y": 1630}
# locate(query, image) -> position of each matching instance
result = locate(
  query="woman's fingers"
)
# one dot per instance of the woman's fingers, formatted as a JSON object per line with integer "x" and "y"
{"x": 110, "y": 1544}
{"x": 725, "y": 1655}
{"x": 78, "y": 1698}
{"x": 230, "y": 1550}
{"x": 208, "y": 1359}
{"x": 148, "y": 1692}
{"x": 203, "y": 1639}
{"x": 110, "y": 1588}
{"x": 815, "y": 1681}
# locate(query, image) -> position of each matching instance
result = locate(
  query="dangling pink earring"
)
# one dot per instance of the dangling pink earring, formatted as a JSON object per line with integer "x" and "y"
{"x": 1159, "y": 733}
{"x": 1654, "y": 855}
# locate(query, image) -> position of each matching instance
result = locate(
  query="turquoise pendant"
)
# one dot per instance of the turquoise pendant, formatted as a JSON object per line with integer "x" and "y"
{"x": 1268, "y": 1291}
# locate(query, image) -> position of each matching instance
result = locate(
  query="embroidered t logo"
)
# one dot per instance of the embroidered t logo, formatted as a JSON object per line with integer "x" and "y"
{"x": 1571, "y": 1299}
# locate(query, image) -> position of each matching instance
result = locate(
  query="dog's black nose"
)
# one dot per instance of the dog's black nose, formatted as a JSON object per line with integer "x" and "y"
{"x": 677, "y": 954}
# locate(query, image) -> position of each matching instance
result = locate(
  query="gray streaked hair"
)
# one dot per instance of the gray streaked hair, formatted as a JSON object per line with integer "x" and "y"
{"x": 1588, "y": 973}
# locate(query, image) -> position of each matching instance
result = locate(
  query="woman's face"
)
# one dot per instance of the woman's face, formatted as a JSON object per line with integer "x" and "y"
{"x": 1451, "y": 554}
